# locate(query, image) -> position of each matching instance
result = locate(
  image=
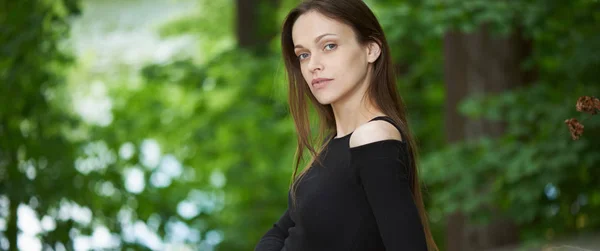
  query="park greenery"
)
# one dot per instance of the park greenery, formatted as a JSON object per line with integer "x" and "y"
{"x": 197, "y": 150}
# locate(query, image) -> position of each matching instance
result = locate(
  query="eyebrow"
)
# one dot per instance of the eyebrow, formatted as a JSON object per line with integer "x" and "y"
{"x": 316, "y": 39}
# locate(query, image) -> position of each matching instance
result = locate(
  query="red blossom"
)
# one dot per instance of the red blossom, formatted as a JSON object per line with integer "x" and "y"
{"x": 575, "y": 127}
{"x": 588, "y": 104}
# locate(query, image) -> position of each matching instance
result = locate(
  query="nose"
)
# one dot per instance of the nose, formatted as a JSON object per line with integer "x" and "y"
{"x": 314, "y": 64}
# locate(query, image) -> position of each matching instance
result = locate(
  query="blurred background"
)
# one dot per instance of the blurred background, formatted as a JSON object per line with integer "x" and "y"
{"x": 164, "y": 125}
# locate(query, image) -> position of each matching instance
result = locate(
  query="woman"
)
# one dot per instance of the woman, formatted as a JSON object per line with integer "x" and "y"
{"x": 360, "y": 190}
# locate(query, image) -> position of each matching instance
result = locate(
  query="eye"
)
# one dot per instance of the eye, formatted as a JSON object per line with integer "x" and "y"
{"x": 330, "y": 47}
{"x": 302, "y": 56}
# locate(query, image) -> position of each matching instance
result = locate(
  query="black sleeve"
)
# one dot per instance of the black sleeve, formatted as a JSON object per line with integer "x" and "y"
{"x": 382, "y": 169}
{"x": 274, "y": 238}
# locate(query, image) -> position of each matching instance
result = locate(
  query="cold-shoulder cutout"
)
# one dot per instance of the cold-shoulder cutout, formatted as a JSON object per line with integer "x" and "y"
{"x": 375, "y": 131}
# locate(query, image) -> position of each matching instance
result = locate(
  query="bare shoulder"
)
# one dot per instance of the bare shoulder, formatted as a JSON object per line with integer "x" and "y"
{"x": 374, "y": 131}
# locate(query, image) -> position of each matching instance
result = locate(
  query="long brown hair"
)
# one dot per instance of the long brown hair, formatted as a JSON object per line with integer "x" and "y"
{"x": 381, "y": 91}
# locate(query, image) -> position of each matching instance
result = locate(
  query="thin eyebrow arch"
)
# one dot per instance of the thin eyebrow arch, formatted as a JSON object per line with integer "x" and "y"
{"x": 316, "y": 39}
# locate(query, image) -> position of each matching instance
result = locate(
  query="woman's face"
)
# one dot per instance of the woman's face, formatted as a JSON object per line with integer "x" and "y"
{"x": 332, "y": 61}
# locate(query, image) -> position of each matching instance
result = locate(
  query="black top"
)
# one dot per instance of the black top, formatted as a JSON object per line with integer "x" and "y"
{"x": 359, "y": 199}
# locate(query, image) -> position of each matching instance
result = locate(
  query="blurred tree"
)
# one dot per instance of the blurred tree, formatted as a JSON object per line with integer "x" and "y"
{"x": 516, "y": 97}
{"x": 77, "y": 176}
{"x": 480, "y": 63}
{"x": 247, "y": 133}
{"x": 34, "y": 149}
{"x": 254, "y": 21}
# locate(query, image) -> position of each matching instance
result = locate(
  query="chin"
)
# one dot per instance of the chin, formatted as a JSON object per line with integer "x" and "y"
{"x": 326, "y": 99}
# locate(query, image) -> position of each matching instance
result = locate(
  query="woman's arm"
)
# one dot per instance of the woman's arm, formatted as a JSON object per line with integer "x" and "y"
{"x": 274, "y": 239}
{"x": 382, "y": 166}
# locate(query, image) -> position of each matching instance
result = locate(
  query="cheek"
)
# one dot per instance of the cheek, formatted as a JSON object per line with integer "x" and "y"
{"x": 305, "y": 73}
{"x": 357, "y": 62}
{"x": 360, "y": 64}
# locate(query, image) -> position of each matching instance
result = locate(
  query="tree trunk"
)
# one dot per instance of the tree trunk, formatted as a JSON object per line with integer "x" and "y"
{"x": 249, "y": 18}
{"x": 477, "y": 63}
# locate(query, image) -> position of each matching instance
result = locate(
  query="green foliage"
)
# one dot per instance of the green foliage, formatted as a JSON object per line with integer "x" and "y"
{"x": 213, "y": 24}
{"x": 516, "y": 171}
{"x": 223, "y": 117}
{"x": 522, "y": 171}
{"x": 240, "y": 127}
{"x": 33, "y": 148}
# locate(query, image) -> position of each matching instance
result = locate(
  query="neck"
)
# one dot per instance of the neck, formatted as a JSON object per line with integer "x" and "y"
{"x": 352, "y": 110}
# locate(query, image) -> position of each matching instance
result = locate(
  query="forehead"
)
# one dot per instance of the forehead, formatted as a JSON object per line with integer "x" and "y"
{"x": 312, "y": 24}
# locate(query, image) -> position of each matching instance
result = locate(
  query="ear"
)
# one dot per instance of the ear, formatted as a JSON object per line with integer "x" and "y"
{"x": 373, "y": 51}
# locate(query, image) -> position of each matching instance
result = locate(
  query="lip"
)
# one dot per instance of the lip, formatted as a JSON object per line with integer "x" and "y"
{"x": 319, "y": 82}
